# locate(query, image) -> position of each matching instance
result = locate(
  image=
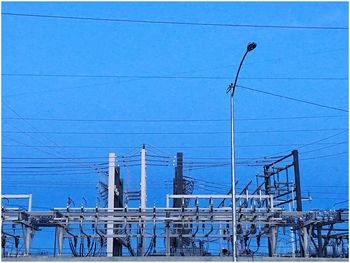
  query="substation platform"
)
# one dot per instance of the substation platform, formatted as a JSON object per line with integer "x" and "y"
{"x": 177, "y": 259}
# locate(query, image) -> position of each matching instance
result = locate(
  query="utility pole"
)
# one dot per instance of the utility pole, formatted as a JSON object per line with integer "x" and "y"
{"x": 231, "y": 89}
{"x": 115, "y": 200}
{"x": 178, "y": 180}
{"x": 143, "y": 185}
{"x": 143, "y": 178}
{"x": 111, "y": 192}
{"x": 178, "y": 189}
{"x": 297, "y": 179}
{"x": 118, "y": 203}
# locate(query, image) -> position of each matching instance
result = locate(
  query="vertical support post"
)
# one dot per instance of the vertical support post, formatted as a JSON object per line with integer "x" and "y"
{"x": 233, "y": 185}
{"x": 220, "y": 240}
{"x": 319, "y": 241}
{"x": 54, "y": 243}
{"x": 118, "y": 203}
{"x": 167, "y": 235}
{"x": 178, "y": 181}
{"x": 59, "y": 236}
{"x": 167, "y": 200}
{"x": 28, "y": 240}
{"x": 271, "y": 201}
{"x": 305, "y": 242}
{"x": 272, "y": 240}
{"x": 297, "y": 179}
{"x": 292, "y": 241}
{"x": 30, "y": 201}
{"x": 178, "y": 189}
{"x": 143, "y": 178}
{"x": 143, "y": 198}
{"x": 266, "y": 180}
{"x": 111, "y": 192}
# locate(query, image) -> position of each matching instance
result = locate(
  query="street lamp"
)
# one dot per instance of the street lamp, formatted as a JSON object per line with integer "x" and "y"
{"x": 251, "y": 46}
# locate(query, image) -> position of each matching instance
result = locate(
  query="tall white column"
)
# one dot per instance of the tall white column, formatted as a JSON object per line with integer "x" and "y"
{"x": 143, "y": 178}
{"x": 234, "y": 252}
{"x": 111, "y": 192}
{"x": 143, "y": 186}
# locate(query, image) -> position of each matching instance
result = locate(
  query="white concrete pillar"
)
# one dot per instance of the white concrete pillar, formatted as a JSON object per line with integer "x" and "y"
{"x": 111, "y": 193}
{"x": 143, "y": 178}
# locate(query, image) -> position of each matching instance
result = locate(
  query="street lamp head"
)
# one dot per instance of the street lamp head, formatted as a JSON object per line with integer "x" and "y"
{"x": 251, "y": 46}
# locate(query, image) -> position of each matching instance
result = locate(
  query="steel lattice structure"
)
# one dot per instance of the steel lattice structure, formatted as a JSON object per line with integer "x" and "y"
{"x": 156, "y": 224}
{"x": 186, "y": 228}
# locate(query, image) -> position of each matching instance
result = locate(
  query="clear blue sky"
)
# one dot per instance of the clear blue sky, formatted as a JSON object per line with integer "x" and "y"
{"x": 33, "y": 45}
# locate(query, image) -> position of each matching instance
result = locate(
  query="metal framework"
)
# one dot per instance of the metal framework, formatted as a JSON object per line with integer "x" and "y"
{"x": 88, "y": 226}
{"x": 191, "y": 226}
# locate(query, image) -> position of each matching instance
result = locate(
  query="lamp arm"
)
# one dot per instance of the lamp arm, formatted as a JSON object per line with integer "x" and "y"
{"x": 232, "y": 88}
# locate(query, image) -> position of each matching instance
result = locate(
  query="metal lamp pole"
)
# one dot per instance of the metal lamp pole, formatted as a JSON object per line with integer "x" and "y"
{"x": 231, "y": 89}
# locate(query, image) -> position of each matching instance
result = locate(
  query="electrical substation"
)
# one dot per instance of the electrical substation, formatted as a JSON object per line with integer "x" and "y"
{"x": 190, "y": 225}
{"x": 122, "y": 106}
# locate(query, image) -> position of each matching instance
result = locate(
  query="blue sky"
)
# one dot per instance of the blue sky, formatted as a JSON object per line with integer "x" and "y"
{"x": 312, "y": 63}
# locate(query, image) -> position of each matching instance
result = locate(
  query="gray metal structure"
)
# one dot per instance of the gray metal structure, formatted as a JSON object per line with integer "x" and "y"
{"x": 190, "y": 229}
{"x": 315, "y": 228}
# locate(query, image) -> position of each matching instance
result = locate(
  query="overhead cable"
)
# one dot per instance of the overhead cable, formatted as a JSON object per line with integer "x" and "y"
{"x": 165, "y": 77}
{"x": 294, "y": 99}
{"x": 175, "y": 120}
{"x": 169, "y": 133}
{"x": 183, "y": 23}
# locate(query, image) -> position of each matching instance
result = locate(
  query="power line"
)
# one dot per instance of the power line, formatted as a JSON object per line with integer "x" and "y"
{"x": 50, "y": 167}
{"x": 326, "y": 147}
{"x": 68, "y": 146}
{"x": 34, "y": 147}
{"x": 57, "y": 152}
{"x": 43, "y": 162}
{"x": 93, "y": 167}
{"x": 51, "y": 158}
{"x": 162, "y": 147}
{"x": 316, "y": 198}
{"x": 186, "y": 72}
{"x": 324, "y": 156}
{"x": 316, "y": 193}
{"x": 67, "y": 182}
{"x": 65, "y": 163}
{"x": 168, "y": 133}
{"x": 174, "y": 120}
{"x": 174, "y": 22}
{"x": 174, "y": 74}
{"x": 49, "y": 170}
{"x": 326, "y": 186}
{"x": 27, "y": 173}
{"x": 165, "y": 77}
{"x": 294, "y": 99}
{"x": 308, "y": 144}
{"x": 207, "y": 167}
{"x": 41, "y": 184}
{"x": 40, "y": 207}
{"x": 321, "y": 140}
{"x": 290, "y": 57}
{"x": 205, "y": 181}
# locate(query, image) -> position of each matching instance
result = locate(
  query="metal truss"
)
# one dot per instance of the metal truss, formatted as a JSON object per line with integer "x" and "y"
{"x": 264, "y": 218}
{"x": 196, "y": 224}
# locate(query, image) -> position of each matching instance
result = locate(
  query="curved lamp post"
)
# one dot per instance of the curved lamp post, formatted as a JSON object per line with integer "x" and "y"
{"x": 251, "y": 46}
